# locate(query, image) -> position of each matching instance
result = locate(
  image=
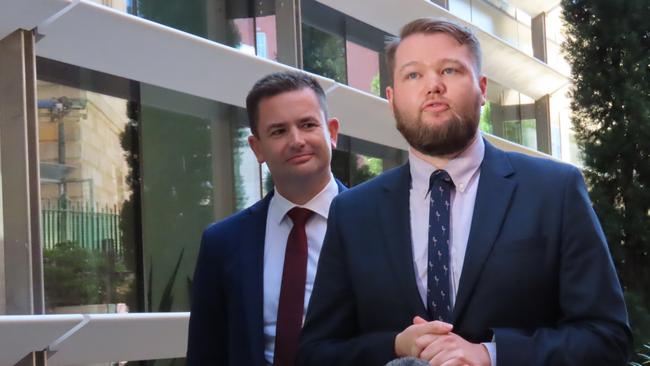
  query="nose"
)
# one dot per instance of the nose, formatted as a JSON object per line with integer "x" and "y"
{"x": 297, "y": 138}
{"x": 435, "y": 85}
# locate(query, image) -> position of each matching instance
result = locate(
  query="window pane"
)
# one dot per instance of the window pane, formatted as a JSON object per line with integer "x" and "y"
{"x": 247, "y": 170}
{"x": 509, "y": 114}
{"x": 323, "y": 53}
{"x": 267, "y": 43}
{"x": 363, "y": 68}
{"x": 87, "y": 201}
{"x": 355, "y": 161}
{"x": 225, "y": 21}
{"x": 246, "y": 30}
{"x": 197, "y": 168}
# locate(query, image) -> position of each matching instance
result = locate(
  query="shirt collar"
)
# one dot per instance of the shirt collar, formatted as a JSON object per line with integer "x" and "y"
{"x": 461, "y": 169}
{"x": 319, "y": 204}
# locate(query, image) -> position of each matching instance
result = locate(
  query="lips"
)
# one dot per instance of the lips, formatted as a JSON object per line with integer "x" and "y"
{"x": 435, "y": 106}
{"x": 300, "y": 158}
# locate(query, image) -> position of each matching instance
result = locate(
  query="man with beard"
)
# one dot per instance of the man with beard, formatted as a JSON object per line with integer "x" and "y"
{"x": 467, "y": 255}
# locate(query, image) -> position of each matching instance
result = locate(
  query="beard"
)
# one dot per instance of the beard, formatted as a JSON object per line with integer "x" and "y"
{"x": 450, "y": 137}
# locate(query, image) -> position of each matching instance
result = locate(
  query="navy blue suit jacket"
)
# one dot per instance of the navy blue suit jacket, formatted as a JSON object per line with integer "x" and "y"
{"x": 537, "y": 277}
{"x": 226, "y": 321}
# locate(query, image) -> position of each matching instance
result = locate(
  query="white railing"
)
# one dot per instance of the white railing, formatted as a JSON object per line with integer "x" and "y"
{"x": 78, "y": 339}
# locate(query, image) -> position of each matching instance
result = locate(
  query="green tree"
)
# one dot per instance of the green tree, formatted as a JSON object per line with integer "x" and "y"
{"x": 485, "y": 123}
{"x": 375, "y": 85}
{"x": 608, "y": 47}
{"x": 80, "y": 276}
{"x": 324, "y": 54}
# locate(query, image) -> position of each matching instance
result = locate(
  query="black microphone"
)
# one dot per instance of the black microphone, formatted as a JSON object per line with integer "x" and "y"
{"x": 408, "y": 361}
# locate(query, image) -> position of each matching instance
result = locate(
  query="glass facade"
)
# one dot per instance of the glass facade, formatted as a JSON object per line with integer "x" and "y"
{"x": 132, "y": 174}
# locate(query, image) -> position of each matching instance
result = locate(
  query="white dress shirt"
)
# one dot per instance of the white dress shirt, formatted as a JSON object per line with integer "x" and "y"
{"x": 278, "y": 227}
{"x": 465, "y": 173}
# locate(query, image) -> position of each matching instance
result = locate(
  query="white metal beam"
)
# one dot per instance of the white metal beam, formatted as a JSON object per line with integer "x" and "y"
{"x": 535, "y": 7}
{"x": 24, "y": 334}
{"x": 26, "y": 14}
{"x": 122, "y": 337}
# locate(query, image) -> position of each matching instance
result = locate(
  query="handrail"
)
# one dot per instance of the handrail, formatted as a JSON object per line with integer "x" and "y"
{"x": 74, "y": 339}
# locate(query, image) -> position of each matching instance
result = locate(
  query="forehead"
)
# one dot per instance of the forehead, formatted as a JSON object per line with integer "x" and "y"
{"x": 288, "y": 106}
{"x": 429, "y": 48}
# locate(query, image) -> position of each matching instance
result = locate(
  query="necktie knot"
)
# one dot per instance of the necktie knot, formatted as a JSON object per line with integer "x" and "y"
{"x": 440, "y": 178}
{"x": 299, "y": 215}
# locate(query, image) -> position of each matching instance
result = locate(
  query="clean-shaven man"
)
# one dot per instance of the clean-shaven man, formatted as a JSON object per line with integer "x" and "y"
{"x": 256, "y": 268}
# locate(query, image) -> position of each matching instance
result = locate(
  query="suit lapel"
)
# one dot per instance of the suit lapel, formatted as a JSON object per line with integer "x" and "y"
{"x": 252, "y": 262}
{"x": 493, "y": 197}
{"x": 395, "y": 219}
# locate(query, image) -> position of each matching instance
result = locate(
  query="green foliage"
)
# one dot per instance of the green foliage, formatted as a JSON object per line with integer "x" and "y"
{"x": 324, "y": 54}
{"x": 240, "y": 145}
{"x": 375, "y": 85}
{"x": 364, "y": 168}
{"x": 644, "y": 356}
{"x": 268, "y": 182}
{"x": 79, "y": 276}
{"x": 485, "y": 123}
{"x": 608, "y": 47}
{"x": 167, "y": 297}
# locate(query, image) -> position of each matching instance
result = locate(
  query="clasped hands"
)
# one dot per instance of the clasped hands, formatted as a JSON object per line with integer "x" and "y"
{"x": 435, "y": 342}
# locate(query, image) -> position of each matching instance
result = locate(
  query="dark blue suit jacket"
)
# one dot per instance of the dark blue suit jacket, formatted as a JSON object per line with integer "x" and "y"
{"x": 226, "y": 321}
{"x": 537, "y": 275}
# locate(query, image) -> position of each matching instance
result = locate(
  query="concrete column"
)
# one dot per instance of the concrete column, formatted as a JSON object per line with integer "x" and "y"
{"x": 288, "y": 26}
{"x": 22, "y": 260}
{"x": 543, "y": 124}
{"x": 223, "y": 176}
{"x": 538, "y": 33}
{"x": 20, "y": 175}
{"x": 384, "y": 75}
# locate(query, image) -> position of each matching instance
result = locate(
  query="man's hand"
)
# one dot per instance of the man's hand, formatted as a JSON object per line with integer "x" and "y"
{"x": 451, "y": 350}
{"x": 405, "y": 342}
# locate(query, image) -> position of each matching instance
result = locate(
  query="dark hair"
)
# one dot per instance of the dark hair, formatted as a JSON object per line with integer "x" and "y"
{"x": 459, "y": 32}
{"x": 277, "y": 83}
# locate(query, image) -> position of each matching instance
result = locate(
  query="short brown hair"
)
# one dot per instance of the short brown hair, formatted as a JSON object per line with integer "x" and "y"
{"x": 461, "y": 33}
{"x": 278, "y": 83}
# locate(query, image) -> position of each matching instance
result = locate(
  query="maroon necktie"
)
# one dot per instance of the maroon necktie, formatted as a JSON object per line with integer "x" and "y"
{"x": 292, "y": 292}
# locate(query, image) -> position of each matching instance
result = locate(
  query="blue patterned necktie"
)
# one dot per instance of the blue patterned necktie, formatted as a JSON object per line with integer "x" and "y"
{"x": 438, "y": 277}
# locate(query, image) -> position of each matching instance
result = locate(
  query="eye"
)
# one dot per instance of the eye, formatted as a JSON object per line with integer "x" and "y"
{"x": 309, "y": 125}
{"x": 449, "y": 71}
{"x": 412, "y": 75}
{"x": 276, "y": 132}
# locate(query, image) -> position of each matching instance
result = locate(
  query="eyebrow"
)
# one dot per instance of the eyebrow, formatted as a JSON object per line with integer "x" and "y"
{"x": 276, "y": 125}
{"x": 410, "y": 63}
{"x": 443, "y": 61}
{"x": 283, "y": 124}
